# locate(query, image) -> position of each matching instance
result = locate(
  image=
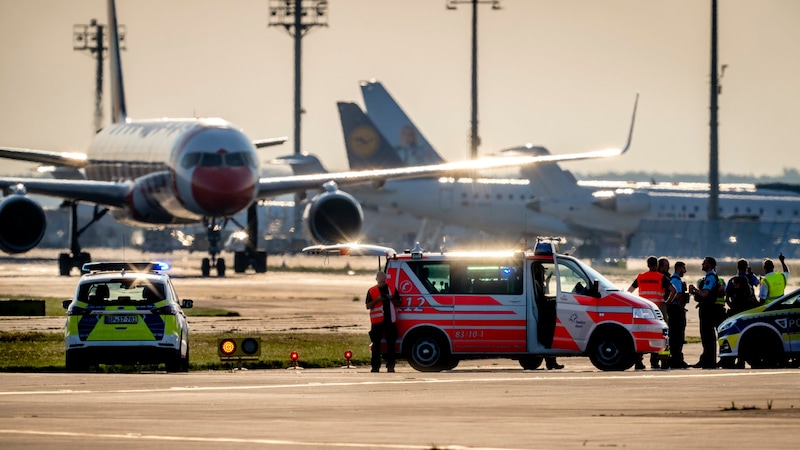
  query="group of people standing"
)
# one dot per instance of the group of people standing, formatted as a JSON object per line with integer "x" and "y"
{"x": 712, "y": 295}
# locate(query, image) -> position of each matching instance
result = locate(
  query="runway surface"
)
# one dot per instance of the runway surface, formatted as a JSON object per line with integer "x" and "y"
{"x": 480, "y": 404}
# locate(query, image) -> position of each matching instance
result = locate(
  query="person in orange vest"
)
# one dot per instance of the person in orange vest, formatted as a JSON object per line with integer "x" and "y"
{"x": 382, "y": 302}
{"x": 773, "y": 284}
{"x": 656, "y": 287}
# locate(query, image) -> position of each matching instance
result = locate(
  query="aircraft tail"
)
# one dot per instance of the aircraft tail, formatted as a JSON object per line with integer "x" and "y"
{"x": 366, "y": 147}
{"x": 396, "y": 126}
{"x": 119, "y": 111}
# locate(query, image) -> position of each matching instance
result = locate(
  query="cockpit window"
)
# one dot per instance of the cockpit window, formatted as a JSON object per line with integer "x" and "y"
{"x": 236, "y": 159}
{"x": 190, "y": 160}
{"x": 211, "y": 160}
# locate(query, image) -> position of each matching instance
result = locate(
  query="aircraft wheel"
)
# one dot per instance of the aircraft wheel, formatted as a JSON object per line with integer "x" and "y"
{"x": 220, "y": 267}
{"x": 64, "y": 264}
{"x": 239, "y": 262}
{"x": 205, "y": 267}
{"x": 261, "y": 262}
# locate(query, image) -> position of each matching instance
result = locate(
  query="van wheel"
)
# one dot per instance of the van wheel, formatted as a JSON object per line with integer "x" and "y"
{"x": 427, "y": 353}
{"x": 531, "y": 362}
{"x": 762, "y": 349}
{"x": 611, "y": 349}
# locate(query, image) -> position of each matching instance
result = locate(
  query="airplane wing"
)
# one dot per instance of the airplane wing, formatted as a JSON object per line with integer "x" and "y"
{"x": 269, "y": 187}
{"x": 101, "y": 192}
{"x": 273, "y": 186}
{"x": 79, "y": 160}
{"x": 261, "y": 143}
{"x": 64, "y": 159}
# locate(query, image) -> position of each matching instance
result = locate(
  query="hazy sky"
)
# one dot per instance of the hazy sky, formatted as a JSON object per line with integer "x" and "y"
{"x": 558, "y": 73}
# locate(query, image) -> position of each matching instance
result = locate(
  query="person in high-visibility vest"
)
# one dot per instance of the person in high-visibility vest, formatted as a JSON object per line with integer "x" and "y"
{"x": 656, "y": 287}
{"x": 382, "y": 302}
{"x": 773, "y": 284}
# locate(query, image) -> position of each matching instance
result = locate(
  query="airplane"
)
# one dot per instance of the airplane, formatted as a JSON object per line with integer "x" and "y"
{"x": 173, "y": 172}
{"x": 595, "y": 212}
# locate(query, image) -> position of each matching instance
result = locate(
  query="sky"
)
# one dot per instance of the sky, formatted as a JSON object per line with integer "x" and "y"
{"x": 557, "y": 73}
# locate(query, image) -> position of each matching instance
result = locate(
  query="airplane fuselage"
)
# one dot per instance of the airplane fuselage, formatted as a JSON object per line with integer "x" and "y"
{"x": 512, "y": 206}
{"x": 180, "y": 170}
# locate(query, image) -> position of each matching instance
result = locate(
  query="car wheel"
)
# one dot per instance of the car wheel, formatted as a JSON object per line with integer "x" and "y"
{"x": 531, "y": 362}
{"x": 75, "y": 363}
{"x": 427, "y": 353}
{"x": 762, "y": 349}
{"x": 611, "y": 349}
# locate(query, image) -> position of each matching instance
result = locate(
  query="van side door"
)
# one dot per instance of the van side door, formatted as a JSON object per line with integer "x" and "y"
{"x": 573, "y": 306}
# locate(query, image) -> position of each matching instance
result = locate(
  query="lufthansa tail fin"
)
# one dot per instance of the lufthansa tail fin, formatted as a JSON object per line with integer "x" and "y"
{"x": 119, "y": 111}
{"x": 366, "y": 147}
{"x": 400, "y": 131}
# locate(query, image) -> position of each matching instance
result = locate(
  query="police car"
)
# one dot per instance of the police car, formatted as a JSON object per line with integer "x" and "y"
{"x": 766, "y": 336}
{"x": 126, "y": 313}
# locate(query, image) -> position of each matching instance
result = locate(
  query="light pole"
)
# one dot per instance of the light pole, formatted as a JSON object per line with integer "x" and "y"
{"x": 298, "y": 17}
{"x": 474, "y": 139}
{"x": 92, "y": 38}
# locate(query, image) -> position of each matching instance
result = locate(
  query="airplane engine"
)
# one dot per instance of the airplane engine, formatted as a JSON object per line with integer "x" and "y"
{"x": 626, "y": 203}
{"x": 333, "y": 217}
{"x": 22, "y": 224}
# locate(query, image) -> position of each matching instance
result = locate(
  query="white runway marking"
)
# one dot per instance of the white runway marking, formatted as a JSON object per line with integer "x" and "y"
{"x": 687, "y": 374}
{"x": 223, "y": 440}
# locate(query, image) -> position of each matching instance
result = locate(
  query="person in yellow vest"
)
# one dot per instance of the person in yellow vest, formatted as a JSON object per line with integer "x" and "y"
{"x": 773, "y": 283}
{"x": 656, "y": 287}
{"x": 382, "y": 302}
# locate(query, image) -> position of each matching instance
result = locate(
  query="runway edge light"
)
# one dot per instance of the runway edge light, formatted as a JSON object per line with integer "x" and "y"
{"x": 238, "y": 348}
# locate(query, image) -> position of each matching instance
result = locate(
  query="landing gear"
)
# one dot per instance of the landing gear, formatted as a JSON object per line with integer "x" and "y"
{"x": 214, "y": 233}
{"x": 77, "y": 258}
{"x": 251, "y": 256}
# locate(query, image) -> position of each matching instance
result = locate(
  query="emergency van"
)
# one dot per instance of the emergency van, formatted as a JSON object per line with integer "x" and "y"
{"x": 518, "y": 305}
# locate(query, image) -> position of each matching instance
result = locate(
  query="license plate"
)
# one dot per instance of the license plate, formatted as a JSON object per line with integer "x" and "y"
{"x": 119, "y": 319}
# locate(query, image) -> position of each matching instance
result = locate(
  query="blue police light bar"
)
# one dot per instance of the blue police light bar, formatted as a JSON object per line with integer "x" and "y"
{"x": 114, "y": 266}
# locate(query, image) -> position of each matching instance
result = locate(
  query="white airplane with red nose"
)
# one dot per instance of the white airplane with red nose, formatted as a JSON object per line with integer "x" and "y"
{"x": 163, "y": 172}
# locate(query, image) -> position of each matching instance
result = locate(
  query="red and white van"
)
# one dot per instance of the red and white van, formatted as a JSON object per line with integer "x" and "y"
{"x": 519, "y": 305}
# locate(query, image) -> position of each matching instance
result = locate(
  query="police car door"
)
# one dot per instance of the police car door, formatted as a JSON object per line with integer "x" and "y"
{"x": 572, "y": 305}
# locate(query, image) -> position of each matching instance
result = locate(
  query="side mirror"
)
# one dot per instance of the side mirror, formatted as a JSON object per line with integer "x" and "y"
{"x": 187, "y": 303}
{"x": 596, "y": 289}
{"x": 65, "y": 303}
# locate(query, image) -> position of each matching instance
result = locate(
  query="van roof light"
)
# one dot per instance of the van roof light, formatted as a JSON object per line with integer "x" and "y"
{"x": 547, "y": 245}
{"x": 416, "y": 252}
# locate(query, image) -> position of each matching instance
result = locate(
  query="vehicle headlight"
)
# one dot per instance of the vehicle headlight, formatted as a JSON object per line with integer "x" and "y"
{"x": 643, "y": 313}
{"x": 724, "y": 326}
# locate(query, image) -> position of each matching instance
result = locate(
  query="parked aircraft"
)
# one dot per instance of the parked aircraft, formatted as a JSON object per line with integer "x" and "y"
{"x": 548, "y": 199}
{"x": 183, "y": 171}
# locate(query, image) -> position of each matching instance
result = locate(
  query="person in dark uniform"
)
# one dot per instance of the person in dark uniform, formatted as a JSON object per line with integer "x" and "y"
{"x": 546, "y": 326}
{"x": 710, "y": 298}
{"x": 382, "y": 303}
{"x": 676, "y": 318}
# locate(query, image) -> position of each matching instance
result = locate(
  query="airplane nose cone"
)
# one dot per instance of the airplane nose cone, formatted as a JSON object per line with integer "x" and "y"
{"x": 223, "y": 191}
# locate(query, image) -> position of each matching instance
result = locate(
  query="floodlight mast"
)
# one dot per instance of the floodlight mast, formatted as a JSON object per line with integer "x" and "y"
{"x": 298, "y": 17}
{"x": 474, "y": 139}
{"x": 93, "y": 39}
